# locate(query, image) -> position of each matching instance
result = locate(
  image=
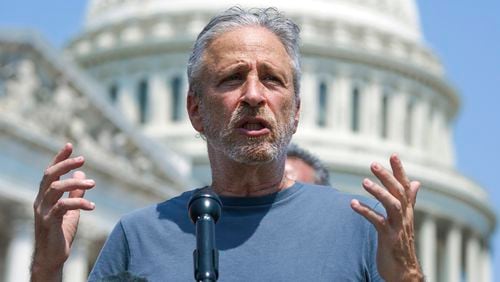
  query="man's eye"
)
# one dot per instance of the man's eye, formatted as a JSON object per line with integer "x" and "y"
{"x": 272, "y": 78}
{"x": 232, "y": 78}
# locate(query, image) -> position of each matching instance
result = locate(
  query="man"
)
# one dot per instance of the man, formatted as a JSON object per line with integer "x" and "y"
{"x": 305, "y": 167}
{"x": 243, "y": 97}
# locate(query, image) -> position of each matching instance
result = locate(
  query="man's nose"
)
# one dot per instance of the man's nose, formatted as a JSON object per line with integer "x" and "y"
{"x": 254, "y": 92}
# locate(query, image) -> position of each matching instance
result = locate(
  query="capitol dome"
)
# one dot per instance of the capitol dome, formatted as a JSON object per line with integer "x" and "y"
{"x": 370, "y": 87}
{"x": 396, "y": 17}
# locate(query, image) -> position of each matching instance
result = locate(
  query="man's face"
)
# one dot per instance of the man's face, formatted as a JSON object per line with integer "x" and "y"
{"x": 247, "y": 108}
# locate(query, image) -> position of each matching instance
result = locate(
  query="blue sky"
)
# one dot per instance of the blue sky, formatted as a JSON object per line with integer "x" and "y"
{"x": 464, "y": 34}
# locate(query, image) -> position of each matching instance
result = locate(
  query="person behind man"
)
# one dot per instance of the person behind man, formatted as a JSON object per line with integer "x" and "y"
{"x": 303, "y": 166}
{"x": 244, "y": 77}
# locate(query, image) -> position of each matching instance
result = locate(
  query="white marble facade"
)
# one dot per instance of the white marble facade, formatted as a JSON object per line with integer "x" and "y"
{"x": 370, "y": 87}
{"x": 45, "y": 101}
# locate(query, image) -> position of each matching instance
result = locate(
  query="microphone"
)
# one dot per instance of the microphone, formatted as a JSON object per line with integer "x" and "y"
{"x": 204, "y": 210}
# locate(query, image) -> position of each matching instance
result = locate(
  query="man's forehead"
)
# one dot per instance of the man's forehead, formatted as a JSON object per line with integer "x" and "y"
{"x": 236, "y": 45}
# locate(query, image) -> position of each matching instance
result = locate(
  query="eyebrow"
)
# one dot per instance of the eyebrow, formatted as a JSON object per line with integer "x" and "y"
{"x": 267, "y": 67}
{"x": 262, "y": 67}
{"x": 239, "y": 66}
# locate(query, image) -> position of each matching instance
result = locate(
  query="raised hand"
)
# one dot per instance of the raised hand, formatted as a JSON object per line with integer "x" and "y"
{"x": 56, "y": 217}
{"x": 396, "y": 256}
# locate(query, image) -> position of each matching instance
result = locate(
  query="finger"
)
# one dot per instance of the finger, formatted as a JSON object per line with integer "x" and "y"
{"x": 78, "y": 193}
{"x": 67, "y": 204}
{"x": 63, "y": 154}
{"x": 375, "y": 218}
{"x": 399, "y": 171}
{"x": 391, "y": 204}
{"x": 412, "y": 192}
{"x": 57, "y": 188}
{"x": 54, "y": 172}
{"x": 79, "y": 174}
{"x": 390, "y": 182}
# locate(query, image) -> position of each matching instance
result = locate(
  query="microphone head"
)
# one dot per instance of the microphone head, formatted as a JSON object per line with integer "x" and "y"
{"x": 204, "y": 202}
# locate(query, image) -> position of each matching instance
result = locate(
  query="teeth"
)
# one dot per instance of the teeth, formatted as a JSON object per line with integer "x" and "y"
{"x": 253, "y": 126}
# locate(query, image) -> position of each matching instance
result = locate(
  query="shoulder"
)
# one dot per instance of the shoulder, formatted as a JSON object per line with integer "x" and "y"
{"x": 174, "y": 209}
{"x": 330, "y": 193}
{"x": 334, "y": 199}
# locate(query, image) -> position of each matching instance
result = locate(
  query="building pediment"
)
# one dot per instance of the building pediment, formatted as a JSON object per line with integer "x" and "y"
{"x": 44, "y": 96}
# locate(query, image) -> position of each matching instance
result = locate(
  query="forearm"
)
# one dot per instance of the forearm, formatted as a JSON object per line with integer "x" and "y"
{"x": 43, "y": 273}
{"x": 414, "y": 276}
{"x": 409, "y": 274}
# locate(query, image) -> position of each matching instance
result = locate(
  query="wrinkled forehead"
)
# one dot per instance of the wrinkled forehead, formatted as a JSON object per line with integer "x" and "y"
{"x": 249, "y": 42}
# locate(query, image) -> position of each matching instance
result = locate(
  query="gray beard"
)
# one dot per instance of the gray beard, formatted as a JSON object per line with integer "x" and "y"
{"x": 252, "y": 151}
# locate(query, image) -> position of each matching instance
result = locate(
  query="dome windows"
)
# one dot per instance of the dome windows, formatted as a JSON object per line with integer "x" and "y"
{"x": 113, "y": 93}
{"x": 384, "y": 116}
{"x": 322, "y": 105}
{"x": 176, "y": 98}
{"x": 355, "y": 109}
{"x": 143, "y": 101}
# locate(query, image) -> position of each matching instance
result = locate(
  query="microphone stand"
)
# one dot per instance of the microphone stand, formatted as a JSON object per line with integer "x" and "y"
{"x": 204, "y": 210}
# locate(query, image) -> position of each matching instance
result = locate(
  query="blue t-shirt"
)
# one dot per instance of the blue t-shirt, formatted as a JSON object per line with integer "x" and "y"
{"x": 304, "y": 233}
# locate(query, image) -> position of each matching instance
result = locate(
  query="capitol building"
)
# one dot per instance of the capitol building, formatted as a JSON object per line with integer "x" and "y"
{"x": 371, "y": 86}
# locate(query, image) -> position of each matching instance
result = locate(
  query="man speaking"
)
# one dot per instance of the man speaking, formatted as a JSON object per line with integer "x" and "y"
{"x": 244, "y": 80}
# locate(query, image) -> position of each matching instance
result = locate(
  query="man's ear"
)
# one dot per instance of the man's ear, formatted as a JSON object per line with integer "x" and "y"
{"x": 193, "y": 108}
{"x": 297, "y": 114}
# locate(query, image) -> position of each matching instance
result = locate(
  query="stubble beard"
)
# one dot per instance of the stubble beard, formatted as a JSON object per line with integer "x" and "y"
{"x": 249, "y": 150}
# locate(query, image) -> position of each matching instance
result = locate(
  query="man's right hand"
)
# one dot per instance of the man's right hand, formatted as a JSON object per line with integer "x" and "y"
{"x": 56, "y": 217}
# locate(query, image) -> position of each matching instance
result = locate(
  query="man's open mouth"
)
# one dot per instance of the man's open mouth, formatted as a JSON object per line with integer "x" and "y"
{"x": 253, "y": 127}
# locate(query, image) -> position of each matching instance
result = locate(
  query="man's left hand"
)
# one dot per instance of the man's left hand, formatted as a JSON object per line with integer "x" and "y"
{"x": 396, "y": 256}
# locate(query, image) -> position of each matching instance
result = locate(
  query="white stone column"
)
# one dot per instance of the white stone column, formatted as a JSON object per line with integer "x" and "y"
{"x": 308, "y": 98}
{"x": 419, "y": 123}
{"x": 486, "y": 275}
{"x": 428, "y": 248}
{"x": 184, "y": 91}
{"x": 127, "y": 99}
{"x": 372, "y": 41}
{"x": 342, "y": 35}
{"x": 396, "y": 117}
{"x": 341, "y": 111}
{"x": 453, "y": 254}
{"x": 19, "y": 251}
{"x": 307, "y": 29}
{"x": 437, "y": 135}
{"x": 448, "y": 146}
{"x": 472, "y": 259}
{"x": 160, "y": 99}
{"x": 76, "y": 267}
{"x": 433, "y": 131}
{"x": 371, "y": 109}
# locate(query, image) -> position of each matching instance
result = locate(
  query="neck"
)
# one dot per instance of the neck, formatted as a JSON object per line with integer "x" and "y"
{"x": 231, "y": 178}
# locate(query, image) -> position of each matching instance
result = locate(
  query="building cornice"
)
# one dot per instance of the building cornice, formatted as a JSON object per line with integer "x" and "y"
{"x": 159, "y": 34}
{"x": 377, "y": 61}
{"x": 96, "y": 127}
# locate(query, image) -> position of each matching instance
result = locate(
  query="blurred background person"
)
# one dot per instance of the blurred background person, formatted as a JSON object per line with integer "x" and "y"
{"x": 303, "y": 166}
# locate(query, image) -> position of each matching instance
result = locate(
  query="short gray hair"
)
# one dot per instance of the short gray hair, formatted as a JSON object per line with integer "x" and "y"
{"x": 321, "y": 174}
{"x": 272, "y": 19}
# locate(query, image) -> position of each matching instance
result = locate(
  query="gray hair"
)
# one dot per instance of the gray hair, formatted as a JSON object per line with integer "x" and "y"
{"x": 272, "y": 19}
{"x": 321, "y": 174}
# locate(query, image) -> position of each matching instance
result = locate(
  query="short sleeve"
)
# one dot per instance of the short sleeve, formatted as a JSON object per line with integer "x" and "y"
{"x": 114, "y": 255}
{"x": 373, "y": 235}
